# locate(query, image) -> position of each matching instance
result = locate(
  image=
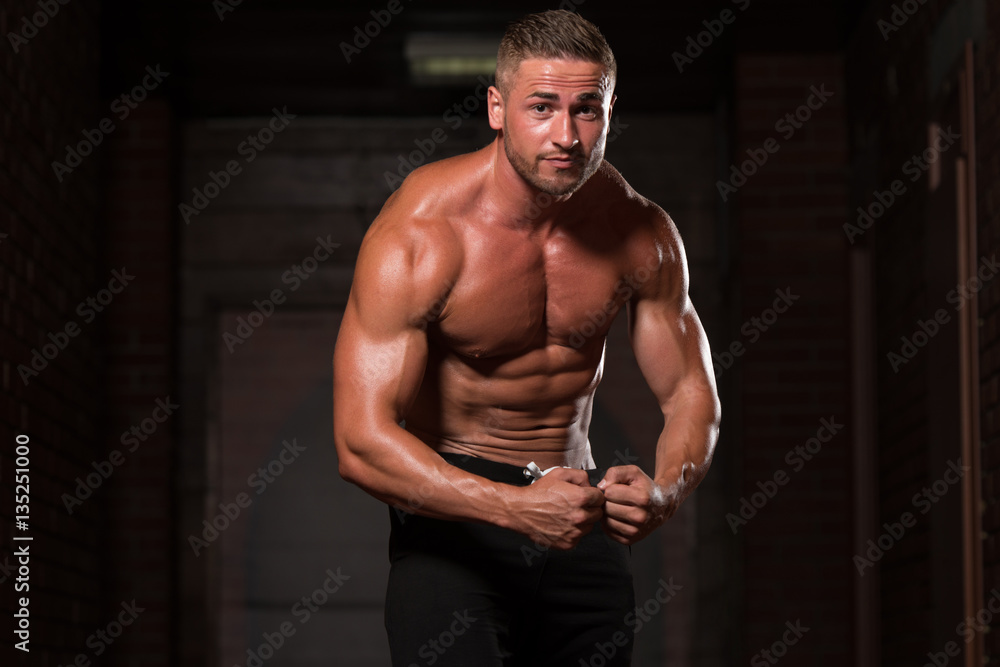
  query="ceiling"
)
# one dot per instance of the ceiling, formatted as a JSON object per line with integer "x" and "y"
{"x": 266, "y": 53}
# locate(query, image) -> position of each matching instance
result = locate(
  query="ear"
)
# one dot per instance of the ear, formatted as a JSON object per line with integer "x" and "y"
{"x": 611, "y": 105}
{"x": 494, "y": 106}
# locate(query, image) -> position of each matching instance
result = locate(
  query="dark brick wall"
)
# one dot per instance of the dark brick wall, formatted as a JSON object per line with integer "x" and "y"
{"x": 50, "y": 261}
{"x": 139, "y": 352}
{"x": 893, "y": 128}
{"x": 64, "y": 234}
{"x": 86, "y": 260}
{"x": 988, "y": 177}
{"x": 793, "y": 370}
{"x": 893, "y": 100}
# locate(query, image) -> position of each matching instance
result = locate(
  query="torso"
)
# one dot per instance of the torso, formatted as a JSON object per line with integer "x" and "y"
{"x": 516, "y": 352}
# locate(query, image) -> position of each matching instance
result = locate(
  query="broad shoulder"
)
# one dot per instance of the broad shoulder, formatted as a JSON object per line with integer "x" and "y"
{"x": 648, "y": 232}
{"x": 430, "y": 199}
{"x": 413, "y": 244}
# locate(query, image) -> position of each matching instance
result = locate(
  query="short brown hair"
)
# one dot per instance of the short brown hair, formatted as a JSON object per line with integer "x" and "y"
{"x": 557, "y": 33}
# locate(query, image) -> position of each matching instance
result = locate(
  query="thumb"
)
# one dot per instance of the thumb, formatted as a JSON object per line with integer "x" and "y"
{"x": 617, "y": 475}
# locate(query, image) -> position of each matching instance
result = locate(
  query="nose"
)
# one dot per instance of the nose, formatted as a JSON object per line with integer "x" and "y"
{"x": 564, "y": 134}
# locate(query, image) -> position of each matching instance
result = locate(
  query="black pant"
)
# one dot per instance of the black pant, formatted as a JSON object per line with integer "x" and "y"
{"x": 463, "y": 594}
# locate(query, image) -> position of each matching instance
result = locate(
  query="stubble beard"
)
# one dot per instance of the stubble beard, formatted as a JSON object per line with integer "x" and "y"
{"x": 529, "y": 171}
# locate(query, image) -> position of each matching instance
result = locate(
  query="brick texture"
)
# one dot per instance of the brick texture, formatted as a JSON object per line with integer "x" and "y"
{"x": 793, "y": 370}
{"x": 988, "y": 189}
{"x": 892, "y": 104}
{"x": 86, "y": 269}
{"x": 50, "y": 262}
{"x": 139, "y": 354}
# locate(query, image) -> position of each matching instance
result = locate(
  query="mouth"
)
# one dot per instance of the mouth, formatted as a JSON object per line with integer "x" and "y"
{"x": 562, "y": 161}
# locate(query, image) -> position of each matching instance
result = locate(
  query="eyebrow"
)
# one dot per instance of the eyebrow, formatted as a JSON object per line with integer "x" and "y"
{"x": 582, "y": 97}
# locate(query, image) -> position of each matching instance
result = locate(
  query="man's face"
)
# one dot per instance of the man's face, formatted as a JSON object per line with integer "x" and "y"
{"x": 554, "y": 120}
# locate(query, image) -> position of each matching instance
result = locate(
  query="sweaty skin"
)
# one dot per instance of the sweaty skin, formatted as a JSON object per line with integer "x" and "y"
{"x": 482, "y": 297}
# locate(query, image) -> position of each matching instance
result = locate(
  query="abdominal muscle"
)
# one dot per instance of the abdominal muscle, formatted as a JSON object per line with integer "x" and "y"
{"x": 515, "y": 411}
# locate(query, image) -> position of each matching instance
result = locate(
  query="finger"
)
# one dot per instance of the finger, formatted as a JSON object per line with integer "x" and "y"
{"x": 623, "y": 494}
{"x": 619, "y": 475}
{"x": 634, "y": 516}
{"x": 570, "y": 494}
{"x": 613, "y": 475}
{"x": 620, "y": 531}
{"x": 571, "y": 475}
{"x": 593, "y": 498}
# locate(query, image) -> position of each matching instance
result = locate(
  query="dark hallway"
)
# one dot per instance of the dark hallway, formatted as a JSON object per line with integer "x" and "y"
{"x": 184, "y": 188}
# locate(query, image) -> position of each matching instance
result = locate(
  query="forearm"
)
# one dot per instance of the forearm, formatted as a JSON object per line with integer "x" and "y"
{"x": 396, "y": 467}
{"x": 686, "y": 444}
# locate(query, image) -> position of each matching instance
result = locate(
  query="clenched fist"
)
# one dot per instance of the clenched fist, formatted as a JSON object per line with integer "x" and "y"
{"x": 558, "y": 509}
{"x": 634, "y": 505}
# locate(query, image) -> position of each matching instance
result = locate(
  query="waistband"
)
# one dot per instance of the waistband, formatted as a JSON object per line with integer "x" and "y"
{"x": 500, "y": 472}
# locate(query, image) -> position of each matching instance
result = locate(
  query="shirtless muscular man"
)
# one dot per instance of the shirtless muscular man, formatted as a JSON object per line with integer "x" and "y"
{"x": 460, "y": 361}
